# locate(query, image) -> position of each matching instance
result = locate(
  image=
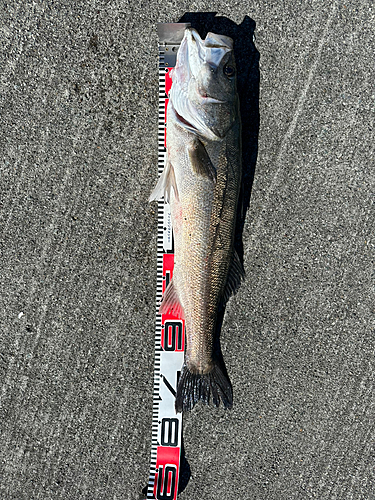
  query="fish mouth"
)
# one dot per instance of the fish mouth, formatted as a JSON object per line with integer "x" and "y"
{"x": 208, "y": 99}
{"x": 212, "y": 40}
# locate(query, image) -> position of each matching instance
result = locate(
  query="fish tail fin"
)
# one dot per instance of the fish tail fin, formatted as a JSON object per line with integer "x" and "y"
{"x": 194, "y": 387}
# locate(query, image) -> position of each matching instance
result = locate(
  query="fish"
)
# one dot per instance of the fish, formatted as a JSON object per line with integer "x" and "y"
{"x": 201, "y": 182}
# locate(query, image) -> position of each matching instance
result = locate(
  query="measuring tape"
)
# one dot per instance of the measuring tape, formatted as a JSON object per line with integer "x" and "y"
{"x": 170, "y": 328}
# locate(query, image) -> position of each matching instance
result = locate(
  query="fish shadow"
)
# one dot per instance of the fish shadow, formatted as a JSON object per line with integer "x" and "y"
{"x": 247, "y": 64}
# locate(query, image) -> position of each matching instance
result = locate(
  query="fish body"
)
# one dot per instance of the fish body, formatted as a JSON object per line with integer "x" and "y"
{"x": 201, "y": 181}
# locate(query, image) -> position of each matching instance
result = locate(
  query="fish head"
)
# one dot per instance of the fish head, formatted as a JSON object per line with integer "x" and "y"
{"x": 203, "y": 91}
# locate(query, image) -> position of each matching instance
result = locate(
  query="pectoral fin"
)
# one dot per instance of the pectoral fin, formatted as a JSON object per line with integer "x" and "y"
{"x": 200, "y": 161}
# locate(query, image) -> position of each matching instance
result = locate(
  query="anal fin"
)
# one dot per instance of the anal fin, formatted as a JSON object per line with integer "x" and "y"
{"x": 170, "y": 302}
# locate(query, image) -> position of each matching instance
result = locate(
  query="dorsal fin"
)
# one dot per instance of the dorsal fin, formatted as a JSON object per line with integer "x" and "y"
{"x": 235, "y": 274}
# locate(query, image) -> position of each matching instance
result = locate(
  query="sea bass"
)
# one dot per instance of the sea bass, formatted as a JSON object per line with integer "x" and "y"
{"x": 201, "y": 181}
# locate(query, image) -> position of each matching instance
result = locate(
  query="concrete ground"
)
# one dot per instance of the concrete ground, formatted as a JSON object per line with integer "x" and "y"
{"x": 78, "y": 98}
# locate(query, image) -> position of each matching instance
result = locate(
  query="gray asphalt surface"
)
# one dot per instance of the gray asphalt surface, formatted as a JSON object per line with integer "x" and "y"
{"x": 78, "y": 97}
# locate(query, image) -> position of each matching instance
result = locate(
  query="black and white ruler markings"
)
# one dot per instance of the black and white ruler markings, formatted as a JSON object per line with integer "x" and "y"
{"x": 170, "y": 329}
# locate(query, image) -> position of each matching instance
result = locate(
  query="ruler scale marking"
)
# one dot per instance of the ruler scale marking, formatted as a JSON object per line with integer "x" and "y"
{"x": 169, "y": 329}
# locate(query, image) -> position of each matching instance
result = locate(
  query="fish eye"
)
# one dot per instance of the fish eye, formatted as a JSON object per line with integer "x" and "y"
{"x": 229, "y": 70}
